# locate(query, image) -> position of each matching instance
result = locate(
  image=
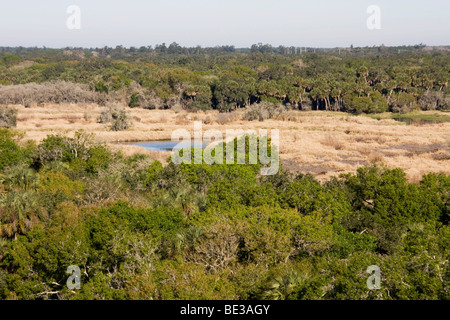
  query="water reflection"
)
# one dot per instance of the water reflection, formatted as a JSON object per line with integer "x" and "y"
{"x": 417, "y": 121}
{"x": 166, "y": 145}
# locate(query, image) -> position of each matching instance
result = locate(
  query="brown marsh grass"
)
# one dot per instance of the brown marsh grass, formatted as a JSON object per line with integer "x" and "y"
{"x": 323, "y": 143}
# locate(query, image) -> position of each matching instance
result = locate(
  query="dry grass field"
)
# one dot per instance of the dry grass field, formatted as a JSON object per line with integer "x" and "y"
{"x": 322, "y": 143}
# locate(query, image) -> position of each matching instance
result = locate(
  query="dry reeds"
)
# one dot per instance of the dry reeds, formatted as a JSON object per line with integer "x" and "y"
{"x": 181, "y": 120}
{"x": 320, "y": 138}
{"x": 207, "y": 120}
{"x": 223, "y": 118}
{"x": 375, "y": 157}
{"x": 332, "y": 141}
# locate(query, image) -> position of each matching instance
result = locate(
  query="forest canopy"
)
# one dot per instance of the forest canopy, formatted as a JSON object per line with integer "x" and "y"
{"x": 139, "y": 230}
{"x": 355, "y": 80}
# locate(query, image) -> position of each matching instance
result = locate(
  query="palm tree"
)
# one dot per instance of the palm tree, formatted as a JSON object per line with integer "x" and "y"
{"x": 16, "y": 213}
{"x": 16, "y": 205}
{"x": 403, "y": 81}
{"x": 360, "y": 87}
{"x": 391, "y": 86}
{"x": 283, "y": 286}
{"x": 294, "y": 95}
{"x": 320, "y": 91}
{"x": 316, "y": 94}
{"x": 363, "y": 72}
{"x": 335, "y": 94}
{"x": 20, "y": 176}
{"x": 441, "y": 81}
{"x": 188, "y": 238}
{"x": 427, "y": 83}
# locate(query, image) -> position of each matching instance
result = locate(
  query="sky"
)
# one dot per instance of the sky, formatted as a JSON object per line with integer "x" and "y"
{"x": 314, "y": 23}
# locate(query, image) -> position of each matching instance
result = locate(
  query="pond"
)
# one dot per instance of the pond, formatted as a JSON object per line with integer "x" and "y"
{"x": 164, "y": 145}
{"x": 418, "y": 121}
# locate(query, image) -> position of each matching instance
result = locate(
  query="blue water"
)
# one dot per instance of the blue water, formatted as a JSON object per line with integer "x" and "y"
{"x": 166, "y": 145}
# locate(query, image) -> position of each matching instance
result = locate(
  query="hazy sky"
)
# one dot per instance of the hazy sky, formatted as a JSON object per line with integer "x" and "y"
{"x": 314, "y": 23}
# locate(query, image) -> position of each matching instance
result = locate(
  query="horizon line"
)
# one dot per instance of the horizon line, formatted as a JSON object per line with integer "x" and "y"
{"x": 153, "y": 46}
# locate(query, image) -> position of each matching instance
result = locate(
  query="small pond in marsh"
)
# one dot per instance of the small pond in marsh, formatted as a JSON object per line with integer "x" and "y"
{"x": 164, "y": 145}
{"x": 418, "y": 121}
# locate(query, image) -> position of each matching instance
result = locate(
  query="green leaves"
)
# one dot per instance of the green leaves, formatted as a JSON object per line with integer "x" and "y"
{"x": 214, "y": 231}
{"x": 10, "y": 152}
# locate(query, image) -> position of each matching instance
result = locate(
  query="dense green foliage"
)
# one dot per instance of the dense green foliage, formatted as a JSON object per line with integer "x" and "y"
{"x": 139, "y": 230}
{"x": 369, "y": 80}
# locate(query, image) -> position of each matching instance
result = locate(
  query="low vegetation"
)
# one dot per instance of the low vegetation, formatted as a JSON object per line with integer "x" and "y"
{"x": 8, "y": 117}
{"x": 139, "y": 230}
{"x": 417, "y": 115}
{"x": 117, "y": 117}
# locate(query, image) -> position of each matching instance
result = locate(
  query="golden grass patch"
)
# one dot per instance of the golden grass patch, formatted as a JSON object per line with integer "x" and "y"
{"x": 327, "y": 143}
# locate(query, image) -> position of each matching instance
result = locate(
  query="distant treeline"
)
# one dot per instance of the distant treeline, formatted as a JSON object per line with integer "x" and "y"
{"x": 175, "y": 48}
{"x": 356, "y": 80}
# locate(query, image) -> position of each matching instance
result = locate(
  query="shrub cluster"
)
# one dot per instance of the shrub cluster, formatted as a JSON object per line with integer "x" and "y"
{"x": 140, "y": 230}
{"x": 116, "y": 116}
{"x": 8, "y": 117}
{"x": 50, "y": 92}
{"x": 263, "y": 111}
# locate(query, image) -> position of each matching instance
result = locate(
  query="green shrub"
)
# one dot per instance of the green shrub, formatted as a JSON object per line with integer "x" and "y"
{"x": 135, "y": 171}
{"x": 8, "y": 117}
{"x": 10, "y": 152}
{"x": 54, "y": 148}
{"x": 77, "y": 151}
{"x": 403, "y": 102}
{"x": 197, "y": 97}
{"x": 134, "y": 100}
{"x": 10, "y": 60}
{"x": 99, "y": 158}
{"x": 120, "y": 121}
{"x": 374, "y": 103}
{"x": 101, "y": 87}
{"x": 117, "y": 116}
{"x": 263, "y": 111}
